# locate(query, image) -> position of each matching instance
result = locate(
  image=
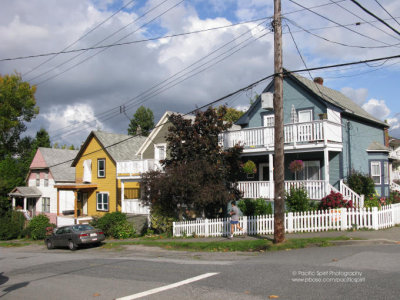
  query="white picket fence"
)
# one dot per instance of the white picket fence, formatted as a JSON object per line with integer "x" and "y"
{"x": 310, "y": 221}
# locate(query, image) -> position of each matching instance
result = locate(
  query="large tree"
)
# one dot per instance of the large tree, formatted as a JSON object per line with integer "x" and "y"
{"x": 143, "y": 119}
{"x": 199, "y": 175}
{"x": 17, "y": 106}
{"x": 231, "y": 114}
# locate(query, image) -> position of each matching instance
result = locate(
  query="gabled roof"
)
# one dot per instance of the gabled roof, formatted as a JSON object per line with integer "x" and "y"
{"x": 326, "y": 94}
{"x": 25, "y": 191}
{"x": 335, "y": 98}
{"x": 160, "y": 124}
{"x": 59, "y": 163}
{"x": 119, "y": 147}
{"x": 394, "y": 142}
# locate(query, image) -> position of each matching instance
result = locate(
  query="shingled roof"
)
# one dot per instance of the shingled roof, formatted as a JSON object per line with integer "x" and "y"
{"x": 59, "y": 163}
{"x": 336, "y": 98}
{"x": 26, "y": 191}
{"x": 120, "y": 147}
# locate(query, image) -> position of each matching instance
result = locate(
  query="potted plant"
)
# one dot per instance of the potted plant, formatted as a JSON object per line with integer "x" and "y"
{"x": 249, "y": 167}
{"x": 296, "y": 166}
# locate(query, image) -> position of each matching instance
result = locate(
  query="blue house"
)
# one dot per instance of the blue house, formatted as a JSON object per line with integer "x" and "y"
{"x": 324, "y": 129}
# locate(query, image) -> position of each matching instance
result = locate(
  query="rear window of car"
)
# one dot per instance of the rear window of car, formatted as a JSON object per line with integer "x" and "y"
{"x": 82, "y": 227}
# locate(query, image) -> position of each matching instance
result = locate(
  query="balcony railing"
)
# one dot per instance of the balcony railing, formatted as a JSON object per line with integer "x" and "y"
{"x": 296, "y": 133}
{"x": 136, "y": 167}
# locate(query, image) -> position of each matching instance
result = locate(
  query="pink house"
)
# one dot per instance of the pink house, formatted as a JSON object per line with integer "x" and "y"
{"x": 48, "y": 167}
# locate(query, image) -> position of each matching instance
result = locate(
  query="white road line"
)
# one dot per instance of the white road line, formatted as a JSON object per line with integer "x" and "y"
{"x": 167, "y": 287}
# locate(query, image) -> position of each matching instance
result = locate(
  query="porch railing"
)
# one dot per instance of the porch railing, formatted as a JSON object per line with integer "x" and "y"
{"x": 316, "y": 189}
{"x": 296, "y": 133}
{"x": 395, "y": 186}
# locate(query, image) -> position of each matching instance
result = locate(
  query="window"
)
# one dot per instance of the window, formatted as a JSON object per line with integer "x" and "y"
{"x": 376, "y": 172}
{"x": 311, "y": 171}
{"x": 269, "y": 120}
{"x": 46, "y": 179}
{"x": 102, "y": 201}
{"x": 101, "y": 167}
{"x": 87, "y": 170}
{"x": 160, "y": 152}
{"x": 45, "y": 204}
{"x": 305, "y": 115}
{"x": 386, "y": 172}
{"x": 37, "y": 179}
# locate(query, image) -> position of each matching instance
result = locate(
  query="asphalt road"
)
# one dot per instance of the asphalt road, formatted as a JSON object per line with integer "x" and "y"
{"x": 340, "y": 272}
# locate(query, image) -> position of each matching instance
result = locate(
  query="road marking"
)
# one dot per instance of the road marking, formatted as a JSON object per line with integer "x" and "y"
{"x": 167, "y": 287}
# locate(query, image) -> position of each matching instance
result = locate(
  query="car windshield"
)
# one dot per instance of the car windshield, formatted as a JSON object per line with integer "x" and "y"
{"x": 82, "y": 227}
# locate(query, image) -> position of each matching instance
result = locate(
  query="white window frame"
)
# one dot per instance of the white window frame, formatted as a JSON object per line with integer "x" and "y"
{"x": 101, "y": 172}
{"x": 158, "y": 147}
{"x": 37, "y": 178}
{"x": 378, "y": 174}
{"x": 46, "y": 204}
{"x": 302, "y": 112}
{"x": 269, "y": 120}
{"x": 100, "y": 205}
{"x": 46, "y": 179}
{"x": 386, "y": 172}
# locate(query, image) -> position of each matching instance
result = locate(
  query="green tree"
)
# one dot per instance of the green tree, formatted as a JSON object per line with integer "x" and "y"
{"x": 18, "y": 105}
{"x": 231, "y": 114}
{"x": 199, "y": 175}
{"x": 42, "y": 139}
{"x": 142, "y": 118}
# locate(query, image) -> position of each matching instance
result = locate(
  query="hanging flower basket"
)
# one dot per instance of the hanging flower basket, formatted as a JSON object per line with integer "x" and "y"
{"x": 249, "y": 167}
{"x": 296, "y": 166}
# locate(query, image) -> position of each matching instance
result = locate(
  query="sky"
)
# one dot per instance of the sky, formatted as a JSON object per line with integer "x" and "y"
{"x": 163, "y": 69}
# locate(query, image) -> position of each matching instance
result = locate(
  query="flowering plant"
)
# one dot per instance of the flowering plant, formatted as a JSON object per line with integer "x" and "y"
{"x": 296, "y": 166}
{"x": 335, "y": 200}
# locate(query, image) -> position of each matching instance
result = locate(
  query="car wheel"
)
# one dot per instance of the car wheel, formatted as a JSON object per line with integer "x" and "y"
{"x": 49, "y": 244}
{"x": 71, "y": 245}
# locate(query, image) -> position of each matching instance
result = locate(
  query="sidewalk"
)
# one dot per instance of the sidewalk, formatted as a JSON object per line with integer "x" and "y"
{"x": 390, "y": 235}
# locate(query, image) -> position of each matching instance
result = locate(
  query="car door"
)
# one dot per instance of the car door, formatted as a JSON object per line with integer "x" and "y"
{"x": 57, "y": 241}
{"x": 66, "y": 236}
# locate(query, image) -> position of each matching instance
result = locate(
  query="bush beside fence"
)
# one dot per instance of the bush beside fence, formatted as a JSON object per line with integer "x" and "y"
{"x": 310, "y": 221}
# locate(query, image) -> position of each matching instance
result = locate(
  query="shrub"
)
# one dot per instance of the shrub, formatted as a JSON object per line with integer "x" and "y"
{"x": 335, "y": 200}
{"x": 297, "y": 200}
{"x": 12, "y": 225}
{"x": 394, "y": 197}
{"x": 376, "y": 201}
{"x": 160, "y": 223}
{"x": 249, "y": 167}
{"x": 361, "y": 184}
{"x": 114, "y": 225}
{"x": 255, "y": 207}
{"x": 37, "y": 227}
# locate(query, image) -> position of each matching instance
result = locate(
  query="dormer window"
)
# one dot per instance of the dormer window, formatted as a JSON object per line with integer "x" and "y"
{"x": 305, "y": 115}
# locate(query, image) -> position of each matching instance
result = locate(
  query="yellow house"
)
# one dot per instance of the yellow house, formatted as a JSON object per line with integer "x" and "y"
{"x": 97, "y": 189}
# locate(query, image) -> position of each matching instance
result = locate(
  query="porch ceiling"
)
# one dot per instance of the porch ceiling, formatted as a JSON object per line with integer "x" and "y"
{"x": 78, "y": 186}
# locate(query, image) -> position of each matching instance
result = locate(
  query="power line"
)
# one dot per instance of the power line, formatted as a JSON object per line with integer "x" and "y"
{"x": 110, "y": 35}
{"x": 163, "y": 85}
{"x": 387, "y": 12}
{"x": 350, "y": 12}
{"x": 82, "y": 37}
{"x": 330, "y": 20}
{"x": 250, "y": 86}
{"x": 375, "y": 16}
{"x": 131, "y": 42}
{"x": 339, "y": 43}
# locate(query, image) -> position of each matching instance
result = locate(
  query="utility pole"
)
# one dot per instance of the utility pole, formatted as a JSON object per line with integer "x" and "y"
{"x": 279, "y": 197}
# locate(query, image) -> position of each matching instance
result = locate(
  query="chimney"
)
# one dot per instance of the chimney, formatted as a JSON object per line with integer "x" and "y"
{"x": 386, "y": 131}
{"x": 319, "y": 80}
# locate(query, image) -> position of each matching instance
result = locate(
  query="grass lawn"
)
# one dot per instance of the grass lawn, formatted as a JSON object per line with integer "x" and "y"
{"x": 256, "y": 245}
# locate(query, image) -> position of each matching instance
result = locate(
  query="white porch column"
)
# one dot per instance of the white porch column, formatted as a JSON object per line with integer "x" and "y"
{"x": 25, "y": 206}
{"x": 326, "y": 169}
{"x": 122, "y": 196}
{"x": 271, "y": 175}
{"x": 13, "y": 203}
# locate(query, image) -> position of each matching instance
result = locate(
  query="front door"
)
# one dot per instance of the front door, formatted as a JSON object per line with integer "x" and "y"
{"x": 32, "y": 206}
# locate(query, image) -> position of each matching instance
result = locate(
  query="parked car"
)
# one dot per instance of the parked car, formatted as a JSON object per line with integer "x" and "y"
{"x": 74, "y": 236}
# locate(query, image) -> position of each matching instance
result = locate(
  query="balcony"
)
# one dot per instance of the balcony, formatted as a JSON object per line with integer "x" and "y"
{"x": 296, "y": 135}
{"x": 134, "y": 168}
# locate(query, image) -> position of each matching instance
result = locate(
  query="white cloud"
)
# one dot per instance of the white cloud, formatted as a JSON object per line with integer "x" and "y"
{"x": 377, "y": 108}
{"x": 359, "y": 96}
